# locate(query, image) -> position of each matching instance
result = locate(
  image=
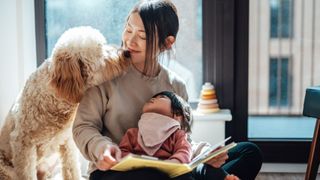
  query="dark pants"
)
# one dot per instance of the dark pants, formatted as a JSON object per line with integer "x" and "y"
{"x": 145, "y": 173}
{"x": 244, "y": 161}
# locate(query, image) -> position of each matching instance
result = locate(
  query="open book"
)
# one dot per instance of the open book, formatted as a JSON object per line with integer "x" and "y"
{"x": 133, "y": 161}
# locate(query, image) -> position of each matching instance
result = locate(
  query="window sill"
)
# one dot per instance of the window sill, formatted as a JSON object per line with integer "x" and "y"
{"x": 284, "y": 168}
{"x": 222, "y": 115}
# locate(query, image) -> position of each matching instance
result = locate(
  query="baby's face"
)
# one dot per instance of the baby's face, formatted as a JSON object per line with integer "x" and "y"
{"x": 160, "y": 104}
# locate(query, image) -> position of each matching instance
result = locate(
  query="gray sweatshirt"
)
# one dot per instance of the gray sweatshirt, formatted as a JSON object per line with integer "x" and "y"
{"x": 108, "y": 110}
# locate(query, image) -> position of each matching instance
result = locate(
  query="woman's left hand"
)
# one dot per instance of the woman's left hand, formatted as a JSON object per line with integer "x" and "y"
{"x": 219, "y": 160}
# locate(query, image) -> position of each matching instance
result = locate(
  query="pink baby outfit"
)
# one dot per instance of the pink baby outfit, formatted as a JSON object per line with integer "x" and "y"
{"x": 158, "y": 136}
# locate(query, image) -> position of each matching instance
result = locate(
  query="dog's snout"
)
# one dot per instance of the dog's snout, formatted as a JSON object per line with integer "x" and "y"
{"x": 126, "y": 53}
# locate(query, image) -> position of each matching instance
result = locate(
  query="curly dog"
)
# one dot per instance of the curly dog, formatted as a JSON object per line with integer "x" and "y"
{"x": 39, "y": 122}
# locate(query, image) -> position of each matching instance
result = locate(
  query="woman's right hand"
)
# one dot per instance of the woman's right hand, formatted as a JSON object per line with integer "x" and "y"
{"x": 108, "y": 158}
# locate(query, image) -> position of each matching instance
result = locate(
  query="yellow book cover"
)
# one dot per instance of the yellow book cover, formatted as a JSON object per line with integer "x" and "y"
{"x": 133, "y": 161}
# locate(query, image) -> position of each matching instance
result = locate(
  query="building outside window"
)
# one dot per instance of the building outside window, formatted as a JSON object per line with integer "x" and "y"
{"x": 282, "y": 64}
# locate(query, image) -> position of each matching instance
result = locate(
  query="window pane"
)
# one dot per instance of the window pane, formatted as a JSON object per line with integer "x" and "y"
{"x": 280, "y": 18}
{"x": 109, "y": 17}
{"x": 100, "y": 14}
{"x": 282, "y": 66}
{"x": 279, "y": 82}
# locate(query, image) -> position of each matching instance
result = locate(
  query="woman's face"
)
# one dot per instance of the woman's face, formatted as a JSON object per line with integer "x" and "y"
{"x": 160, "y": 104}
{"x": 134, "y": 40}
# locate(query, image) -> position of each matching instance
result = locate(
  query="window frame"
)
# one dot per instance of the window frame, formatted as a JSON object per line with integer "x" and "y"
{"x": 40, "y": 23}
{"x": 225, "y": 63}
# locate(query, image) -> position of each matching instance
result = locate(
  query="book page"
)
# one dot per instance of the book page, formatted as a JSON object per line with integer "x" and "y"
{"x": 136, "y": 161}
{"x": 209, "y": 150}
{"x": 215, "y": 153}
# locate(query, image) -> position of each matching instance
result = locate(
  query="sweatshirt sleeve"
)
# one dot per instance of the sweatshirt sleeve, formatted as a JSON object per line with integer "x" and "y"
{"x": 128, "y": 141}
{"x": 182, "y": 150}
{"x": 88, "y": 125}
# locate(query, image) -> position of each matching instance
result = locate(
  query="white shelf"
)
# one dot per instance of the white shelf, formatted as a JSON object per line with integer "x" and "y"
{"x": 222, "y": 115}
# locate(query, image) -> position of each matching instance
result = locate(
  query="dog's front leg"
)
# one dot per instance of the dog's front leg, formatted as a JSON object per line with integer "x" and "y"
{"x": 70, "y": 161}
{"x": 24, "y": 160}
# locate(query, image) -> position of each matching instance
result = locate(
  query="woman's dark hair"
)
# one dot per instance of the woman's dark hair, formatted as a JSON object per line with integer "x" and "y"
{"x": 160, "y": 19}
{"x": 179, "y": 107}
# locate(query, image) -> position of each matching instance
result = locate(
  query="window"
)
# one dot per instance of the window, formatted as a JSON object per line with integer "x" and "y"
{"x": 279, "y": 84}
{"x": 238, "y": 48}
{"x": 109, "y": 17}
{"x": 281, "y": 18}
{"x": 106, "y": 15}
{"x": 281, "y": 66}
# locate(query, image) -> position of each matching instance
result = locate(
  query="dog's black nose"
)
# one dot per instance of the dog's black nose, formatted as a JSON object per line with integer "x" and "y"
{"x": 126, "y": 54}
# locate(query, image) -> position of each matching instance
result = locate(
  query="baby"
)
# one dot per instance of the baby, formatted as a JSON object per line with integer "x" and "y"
{"x": 163, "y": 131}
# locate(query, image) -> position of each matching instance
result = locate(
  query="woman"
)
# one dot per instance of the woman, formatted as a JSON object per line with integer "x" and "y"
{"x": 107, "y": 111}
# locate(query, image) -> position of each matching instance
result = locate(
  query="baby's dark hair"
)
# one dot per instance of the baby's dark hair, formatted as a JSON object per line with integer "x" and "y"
{"x": 179, "y": 107}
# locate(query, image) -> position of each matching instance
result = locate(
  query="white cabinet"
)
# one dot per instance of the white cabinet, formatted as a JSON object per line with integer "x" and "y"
{"x": 210, "y": 127}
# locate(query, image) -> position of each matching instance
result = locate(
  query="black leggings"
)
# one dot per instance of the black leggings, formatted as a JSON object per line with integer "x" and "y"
{"x": 244, "y": 161}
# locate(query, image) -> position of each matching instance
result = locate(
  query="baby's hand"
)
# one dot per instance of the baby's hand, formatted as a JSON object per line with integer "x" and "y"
{"x": 108, "y": 158}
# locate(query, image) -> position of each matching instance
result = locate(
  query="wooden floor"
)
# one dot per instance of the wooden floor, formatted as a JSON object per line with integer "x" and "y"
{"x": 282, "y": 176}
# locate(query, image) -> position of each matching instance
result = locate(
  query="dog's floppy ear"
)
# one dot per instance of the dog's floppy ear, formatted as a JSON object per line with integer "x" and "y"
{"x": 66, "y": 78}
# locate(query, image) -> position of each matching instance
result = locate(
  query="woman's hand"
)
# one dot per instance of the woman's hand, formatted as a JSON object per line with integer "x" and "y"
{"x": 219, "y": 160}
{"x": 108, "y": 158}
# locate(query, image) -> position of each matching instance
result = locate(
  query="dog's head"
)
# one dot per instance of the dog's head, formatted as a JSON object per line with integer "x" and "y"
{"x": 77, "y": 58}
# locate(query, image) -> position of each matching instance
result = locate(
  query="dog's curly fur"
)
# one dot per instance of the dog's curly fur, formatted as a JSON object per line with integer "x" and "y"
{"x": 39, "y": 122}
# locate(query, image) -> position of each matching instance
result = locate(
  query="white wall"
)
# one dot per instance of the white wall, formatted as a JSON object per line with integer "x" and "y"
{"x": 17, "y": 49}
